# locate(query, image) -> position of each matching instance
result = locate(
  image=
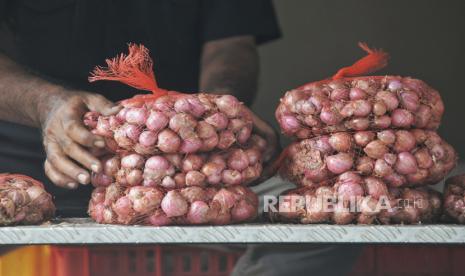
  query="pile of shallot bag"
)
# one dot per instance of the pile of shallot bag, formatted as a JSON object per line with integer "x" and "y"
{"x": 365, "y": 148}
{"x": 173, "y": 158}
{"x": 23, "y": 200}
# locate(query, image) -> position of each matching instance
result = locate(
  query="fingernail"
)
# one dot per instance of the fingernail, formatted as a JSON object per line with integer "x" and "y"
{"x": 94, "y": 167}
{"x": 99, "y": 143}
{"x": 83, "y": 178}
{"x": 71, "y": 185}
{"x": 115, "y": 108}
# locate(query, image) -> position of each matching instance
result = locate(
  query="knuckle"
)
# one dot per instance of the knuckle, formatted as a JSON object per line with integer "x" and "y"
{"x": 75, "y": 99}
{"x": 53, "y": 158}
{"x": 85, "y": 137}
{"x": 67, "y": 145}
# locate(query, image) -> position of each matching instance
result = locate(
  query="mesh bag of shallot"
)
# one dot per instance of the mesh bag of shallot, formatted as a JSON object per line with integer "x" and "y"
{"x": 350, "y": 101}
{"x": 356, "y": 200}
{"x": 166, "y": 121}
{"x": 233, "y": 166}
{"x": 143, "y": 205}
{"x": 454, "y": 199}
{"x": 23, "y": 200}
{"x": 398, "y": 158}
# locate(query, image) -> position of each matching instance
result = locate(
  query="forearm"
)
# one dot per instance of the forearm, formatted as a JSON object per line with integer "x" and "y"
{"x": 23, "y": 96}
{"x": 230, "y": 66}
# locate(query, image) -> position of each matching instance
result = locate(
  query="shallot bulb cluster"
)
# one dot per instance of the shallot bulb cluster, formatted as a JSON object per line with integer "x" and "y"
{"x": 398, "y": 157}
{"x": 177, "y": 123}
{"x": 234, "y": 166}
{"x": 354, "y": 199}
{"x": 23, "y": 200}
{"x": 143, "y": 205}
{"x": 357, "y": 104}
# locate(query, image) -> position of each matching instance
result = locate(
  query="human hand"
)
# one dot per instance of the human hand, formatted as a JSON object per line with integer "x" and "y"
{"x": 68, "y": 144}
{"x": 273, "y": 147}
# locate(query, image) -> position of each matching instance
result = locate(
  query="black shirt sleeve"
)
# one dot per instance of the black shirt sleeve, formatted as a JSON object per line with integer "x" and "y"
{"x": 226, "y": 18}
{"x": 2, "y": 11}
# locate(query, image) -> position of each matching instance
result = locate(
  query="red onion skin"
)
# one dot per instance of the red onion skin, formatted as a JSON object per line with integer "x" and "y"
{"x": 423, "y": 116}
{"x": 136, "y": 116}
{"x": 395, "y": 180}
{"x": 231, "y": 177}
{"x": 379, "y": 108}
{"x": 229, "y": 105}
{"x": 406, "y": 163}
{"x": 402, "y": 118}
{"x": 168, "y": 141}
{"x": 195, "y": 178}
{"x": 424, "y": 159}
{"x": 339, "y": 163}
{"x": 134, "y": 177}
{"x": 225, "y": 198}
{"x": 405, "y": 141}
{"x": 329, "y": 117}
{"x": 243, "y": 211}
{"x": 339, "y": 94}
{"x": 382, "y": 168}
{"x": 159, "y": 219}
{"x": 174, "y": 205}
{"x": 382, "y": 122}
{"x": 290, "y": 124}
{"x": 410, "y": 101}
{"x": 238, "y": 160}
{"x": 357, "y": 94}
{"x": 182, "y": 120}
{"x": 365, "y": 165}
{"x": 132, "y": 161}
{"x": 156, "y": 121}
{"x": 211, "y": 168}
{"x": 218, "y": 120}
{"x": 362, "y": 138}
{"x": 132, "y": 132}
{"x": 180, "y": 179}
{"x": 226, "y": 139}
{"x": 157, "y": 163}
{"x": 341, "y": 141}
{"x": 244, "y": 134}
{"x": 192, "y": 162}
{"x": 389, "y": 99}
{"x": 168, "y": 182}
{"x": 349, "y": 189}
{"x": 191, "y": 145}
{"x": 375, "y": 187}
{"x": 376, "y": 149}
{"x": 198, "y": 212}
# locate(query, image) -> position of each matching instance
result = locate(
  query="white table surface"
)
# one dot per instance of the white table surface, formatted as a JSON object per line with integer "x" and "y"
{"x": 84, "y": 231}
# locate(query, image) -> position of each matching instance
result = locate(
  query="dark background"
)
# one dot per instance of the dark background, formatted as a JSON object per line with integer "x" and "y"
{"x": 425, "y": 38}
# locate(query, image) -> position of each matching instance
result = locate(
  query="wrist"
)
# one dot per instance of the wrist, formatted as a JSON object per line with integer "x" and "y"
{"x": 50, "y": 97}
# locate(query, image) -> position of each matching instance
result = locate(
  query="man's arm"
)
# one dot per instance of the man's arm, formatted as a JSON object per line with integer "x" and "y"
{"x": 30, "y": 100}
{"x": 21, "y": 99}
{"x": 231, "y": 65}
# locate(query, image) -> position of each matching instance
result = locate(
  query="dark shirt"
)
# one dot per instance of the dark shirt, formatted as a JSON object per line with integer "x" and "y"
{"x": 64, "y": 39}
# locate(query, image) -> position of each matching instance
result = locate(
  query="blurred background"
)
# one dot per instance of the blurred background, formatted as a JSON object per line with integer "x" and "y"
{"x": 425, "y": 39}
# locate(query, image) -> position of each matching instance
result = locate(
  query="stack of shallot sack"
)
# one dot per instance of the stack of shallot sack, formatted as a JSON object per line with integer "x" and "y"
{"x": 366, "y": 148}
{"x": 173, "y": 158}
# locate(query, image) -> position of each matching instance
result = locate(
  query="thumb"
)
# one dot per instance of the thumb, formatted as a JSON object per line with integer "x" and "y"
{"x": 101, "y": 104}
